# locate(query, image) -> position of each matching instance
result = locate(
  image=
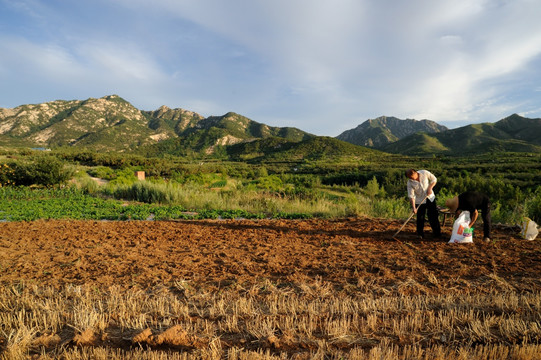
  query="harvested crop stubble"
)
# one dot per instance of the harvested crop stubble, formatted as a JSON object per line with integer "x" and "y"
{"x": 264, "y": 289}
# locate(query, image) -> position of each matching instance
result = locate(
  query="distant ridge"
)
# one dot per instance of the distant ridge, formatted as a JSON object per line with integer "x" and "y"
{"x": 511, "y": 134}
{"x": 207, "y": 134}
{"x": 317, "y": 147}
{"x": 379, "y": 132}
{"x": 111, "y": 123}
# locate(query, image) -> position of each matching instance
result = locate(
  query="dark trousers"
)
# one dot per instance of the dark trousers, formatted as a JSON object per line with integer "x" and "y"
{"x": 429, "y": 207}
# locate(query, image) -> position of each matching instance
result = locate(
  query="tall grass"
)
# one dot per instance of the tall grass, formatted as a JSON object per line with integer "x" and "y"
{"x": 230, "y": 196}
{"x": 199, "y": 197}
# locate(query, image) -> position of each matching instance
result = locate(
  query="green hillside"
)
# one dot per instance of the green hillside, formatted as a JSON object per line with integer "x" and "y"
{"x": 241, "y": 127}
{"x": 378, "y": 133}
{"x": 521, "y": 128}
{"x": 315, "y": 148}
{"x": 417, "y": 144}
{"x": 228, "y": 130}
{"x": 111, "y": 124}
{"x": 512, "y": 134}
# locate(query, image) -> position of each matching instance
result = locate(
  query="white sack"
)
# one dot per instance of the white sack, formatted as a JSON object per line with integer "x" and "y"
{"x": 462, "y": 233}
{"x": 529, "y": 229}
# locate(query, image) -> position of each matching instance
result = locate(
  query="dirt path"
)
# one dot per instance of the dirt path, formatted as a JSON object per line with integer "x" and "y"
{"x": 220, "y": 253}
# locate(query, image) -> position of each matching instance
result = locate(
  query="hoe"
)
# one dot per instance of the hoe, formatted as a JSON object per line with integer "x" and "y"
{"x": 412, "y": 213}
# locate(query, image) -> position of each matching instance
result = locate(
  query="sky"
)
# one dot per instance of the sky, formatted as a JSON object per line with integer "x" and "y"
{"x": 323, "y": 66}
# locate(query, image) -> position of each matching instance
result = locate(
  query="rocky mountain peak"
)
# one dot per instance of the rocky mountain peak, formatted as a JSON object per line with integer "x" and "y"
{"x": 383, "y": 130}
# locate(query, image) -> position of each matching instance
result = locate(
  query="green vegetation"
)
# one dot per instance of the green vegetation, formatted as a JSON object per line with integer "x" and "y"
{"x": 43, "y": 170}
{"x": 512, "y": 134}
{"x": 88, "y": 185}
{"x": 111, "y": 124}
{"x": 25, "y": 204}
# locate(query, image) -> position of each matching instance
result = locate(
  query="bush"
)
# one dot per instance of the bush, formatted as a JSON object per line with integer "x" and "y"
{"x": 102, "y": 172}
{"x": 270, "y": 183}
{"x": 7, "y": 174}
{"x": 533, "y": 206}
{"x": 218, "y": 184}
{"x": 88, "y": 186}
{"x": 373, "y": 190}
{"x": 124, "y": 177}
{"x": 45, "y": 171}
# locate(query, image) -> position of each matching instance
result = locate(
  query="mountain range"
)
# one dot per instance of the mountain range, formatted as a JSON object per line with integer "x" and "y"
{"x": 511, "y": 134}
{"x": 111, "y": 123}
{"x": 379, "y": 132}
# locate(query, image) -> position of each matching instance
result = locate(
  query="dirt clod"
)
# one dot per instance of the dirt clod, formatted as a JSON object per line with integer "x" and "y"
{"x": 85, "y": 338}
{"x": 174, "y": 336}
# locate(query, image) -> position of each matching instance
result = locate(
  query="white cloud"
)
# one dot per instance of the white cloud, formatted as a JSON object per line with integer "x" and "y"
{"x": 92, "y": 62}
{"x": 49, "y": 60}
{"x": 90, "y": 69}
{"x": 465, "y": 74}
{"x": 312, "y": 64}
{"x": 120, "y": 61}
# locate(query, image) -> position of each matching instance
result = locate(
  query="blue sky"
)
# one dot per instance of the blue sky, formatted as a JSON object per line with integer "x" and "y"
{"x": 319, "y": 65}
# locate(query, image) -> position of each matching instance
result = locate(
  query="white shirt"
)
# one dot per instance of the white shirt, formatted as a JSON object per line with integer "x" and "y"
{"x": 417, "y": 189}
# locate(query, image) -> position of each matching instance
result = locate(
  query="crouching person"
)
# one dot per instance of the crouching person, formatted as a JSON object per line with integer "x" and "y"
{"x": 472, "y": 201}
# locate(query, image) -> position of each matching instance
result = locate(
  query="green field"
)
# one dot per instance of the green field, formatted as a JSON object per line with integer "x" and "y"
{"x": 88, "y": 185}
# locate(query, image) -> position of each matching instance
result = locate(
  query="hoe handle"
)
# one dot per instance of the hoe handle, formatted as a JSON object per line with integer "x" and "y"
{"x": 412, "y": 213}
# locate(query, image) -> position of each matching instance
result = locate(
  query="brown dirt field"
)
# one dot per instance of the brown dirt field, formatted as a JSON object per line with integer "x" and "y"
{"x": 218, "y": 253}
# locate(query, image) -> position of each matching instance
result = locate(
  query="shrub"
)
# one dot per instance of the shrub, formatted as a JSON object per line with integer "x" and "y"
{"x": 271, "y": 183}
{"x": 87, "y": 185}
{"x": 533, "y": 206}
{"x": 373, "y": 190}
{"x": 102, "y": 172}
{"x": 43, "y": 171}
{"x": 7, "y": 174}
{"x": 218, "y": 184}
{"x": 124, "y": 177}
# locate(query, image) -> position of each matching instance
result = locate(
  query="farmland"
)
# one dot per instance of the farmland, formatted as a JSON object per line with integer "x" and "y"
{"x": 264, "y": 289}
{"x": 280, "y": 259}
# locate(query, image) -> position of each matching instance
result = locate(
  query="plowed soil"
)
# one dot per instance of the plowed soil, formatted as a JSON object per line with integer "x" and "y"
{"x": 216, "y": 253}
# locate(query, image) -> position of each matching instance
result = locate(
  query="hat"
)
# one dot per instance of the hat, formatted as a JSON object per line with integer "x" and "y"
{"x": 452, "y": 203}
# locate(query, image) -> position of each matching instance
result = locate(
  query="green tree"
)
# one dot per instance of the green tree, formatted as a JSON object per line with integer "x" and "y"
{"x": 45, "y": 171}
{"x": 373, "y": 190}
